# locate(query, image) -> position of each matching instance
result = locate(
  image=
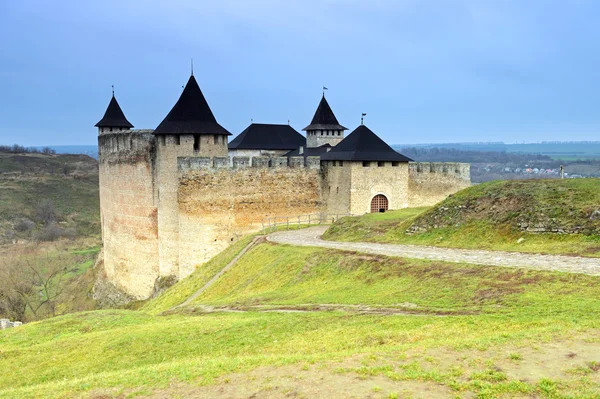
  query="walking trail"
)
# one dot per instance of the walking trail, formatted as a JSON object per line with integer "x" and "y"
{"x": 570, "y": 264}
{"x": 311, "y": 237}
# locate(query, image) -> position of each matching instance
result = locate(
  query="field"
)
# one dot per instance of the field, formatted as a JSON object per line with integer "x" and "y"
{"x": 307, "y": 322}
{"x": 491, "y": 216}
{"x": 49, "y": 234}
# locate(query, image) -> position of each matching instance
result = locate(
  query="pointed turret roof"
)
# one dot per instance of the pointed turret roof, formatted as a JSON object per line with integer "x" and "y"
{"x": 363, "y": 145}
{"x": 263, "y": 136}
{"x": 191, "y": 114}
{"x": 114, "y": 116}
{"x": 324, "y": 118}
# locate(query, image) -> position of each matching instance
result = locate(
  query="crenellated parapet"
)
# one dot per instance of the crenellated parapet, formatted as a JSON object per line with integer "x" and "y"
{"x": 457, "y": 170}
{"x": 185, "y": 164}
{"x": 126, "y": 146}
{"x": 431, "y": 182}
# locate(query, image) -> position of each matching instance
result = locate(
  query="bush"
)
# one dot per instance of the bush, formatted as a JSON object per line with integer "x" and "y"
{"x": 69, "y": 233}
{"x": 24, "y": 225}
{"x": 51, "y": 232}
{"x": 45, "y": 212}
{"x": 10, "y": 234}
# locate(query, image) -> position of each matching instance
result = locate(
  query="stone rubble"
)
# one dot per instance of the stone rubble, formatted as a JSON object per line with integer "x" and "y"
{"x": 6, "y": 323}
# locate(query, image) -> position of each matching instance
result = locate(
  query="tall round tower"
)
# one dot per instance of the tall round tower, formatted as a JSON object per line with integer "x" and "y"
{"x": 324, "y": 127}
{"x": 128, "y": 213}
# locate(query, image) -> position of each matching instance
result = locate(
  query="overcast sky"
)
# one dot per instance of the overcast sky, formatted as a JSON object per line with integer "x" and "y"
{"x": 422, "y": 70}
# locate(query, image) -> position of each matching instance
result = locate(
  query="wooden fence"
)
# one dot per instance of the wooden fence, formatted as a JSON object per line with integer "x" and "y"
{"x": 272, "y": 224}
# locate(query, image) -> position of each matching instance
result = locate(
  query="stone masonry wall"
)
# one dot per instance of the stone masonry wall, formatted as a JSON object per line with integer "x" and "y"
{"x": 378, "y": 178}
{"x": 219, "y": 204}
{"x": 170, "y": 148}
{"x": 432, "y": 182}
{"x": 336, "y": 187}
{"x": 128, "y": 211}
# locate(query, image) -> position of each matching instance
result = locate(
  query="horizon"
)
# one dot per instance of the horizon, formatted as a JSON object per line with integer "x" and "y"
{"x": 450, "y": 71}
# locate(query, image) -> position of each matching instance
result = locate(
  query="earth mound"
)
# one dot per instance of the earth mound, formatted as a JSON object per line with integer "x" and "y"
{"x": 533, "y": 206}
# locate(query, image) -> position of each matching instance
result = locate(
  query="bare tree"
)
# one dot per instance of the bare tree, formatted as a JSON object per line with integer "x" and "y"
{"x": 45, "y": 212}
{"x": 34, "y": 283}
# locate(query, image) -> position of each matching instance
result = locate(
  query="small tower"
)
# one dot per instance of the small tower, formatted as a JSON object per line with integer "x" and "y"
{"x": 324, "y": 128}
{"x": 114, "y": 120}
{"x": 364, "y": 174}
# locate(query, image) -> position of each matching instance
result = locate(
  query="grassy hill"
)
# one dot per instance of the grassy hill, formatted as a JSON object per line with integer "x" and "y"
{"x": 543, "y": 216}
{"x": 49, "y": 221}
{"x": 308, "y": 322}
{"x": 69, "y": 182}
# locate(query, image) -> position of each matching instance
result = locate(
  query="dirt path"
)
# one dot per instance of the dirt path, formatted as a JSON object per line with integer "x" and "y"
{"x": 570, "y": 264}
{"x": 400, "y": 310}
{"x": 228, "y": 266}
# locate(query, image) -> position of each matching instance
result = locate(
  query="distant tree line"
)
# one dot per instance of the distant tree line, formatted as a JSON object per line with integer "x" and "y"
{"x": 453, "y": 155}
{"x": 19, "y": 149}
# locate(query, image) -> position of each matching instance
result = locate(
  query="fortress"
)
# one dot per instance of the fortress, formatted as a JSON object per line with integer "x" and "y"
{"x": 173, "y": 197}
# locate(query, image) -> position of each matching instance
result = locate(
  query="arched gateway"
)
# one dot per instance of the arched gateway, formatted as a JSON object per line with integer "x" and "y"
{"x": 379, "y": 203}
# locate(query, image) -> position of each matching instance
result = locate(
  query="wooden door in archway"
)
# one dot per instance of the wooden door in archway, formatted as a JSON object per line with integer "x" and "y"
{"x": 379, "y": 203}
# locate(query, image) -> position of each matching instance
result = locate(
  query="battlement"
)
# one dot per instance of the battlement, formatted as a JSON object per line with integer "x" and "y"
{"x": 185, "y": 164}
{"x": 124, "y": 145}
{"x": 459, "y": 170}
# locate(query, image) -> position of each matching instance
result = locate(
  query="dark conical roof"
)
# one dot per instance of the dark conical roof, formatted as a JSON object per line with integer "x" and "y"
{"x": 191, "y": 114}
{"x": 114, "y": 116}
{"x": 262, "y": 136}
{"x": 363, "y": 145}
{"x": 324, "y": 118}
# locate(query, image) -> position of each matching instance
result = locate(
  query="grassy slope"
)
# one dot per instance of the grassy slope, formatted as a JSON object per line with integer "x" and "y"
{"x": 77, "y": 205}
{"x": 76, "y": 200}
{"x": 486, "y": 216}
{"x": 495, "y": 309}
{"x": 287, "y": 275}
{"x": 187, "y": 287}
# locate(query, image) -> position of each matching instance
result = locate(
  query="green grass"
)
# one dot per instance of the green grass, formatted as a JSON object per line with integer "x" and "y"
{"x": 126, "y": 349}
{"x": 486, "y": 308}
{"x": 487, "y": 216}
{"x": 185, "y": 288}
{"x": 489, "y": 309}
{"x": 286, "y": 275}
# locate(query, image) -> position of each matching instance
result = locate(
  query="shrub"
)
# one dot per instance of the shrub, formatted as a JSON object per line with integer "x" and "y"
{"x": 51, "y": 232}
{"x": 24, "y": 225}
{"x": 10, "y": 234}
{"x": 45, "y": 212}
{"x": 69, "y": 233}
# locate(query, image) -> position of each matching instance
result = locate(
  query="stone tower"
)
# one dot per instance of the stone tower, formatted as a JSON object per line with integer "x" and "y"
{"x": 324, "y": 127}
{"x": 189, "y": 130}
{"x": 127, "y": 203}
{"x": 362, "y": 172}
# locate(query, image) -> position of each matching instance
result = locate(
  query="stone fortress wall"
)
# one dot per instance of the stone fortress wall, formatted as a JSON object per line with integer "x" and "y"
{"x": 431, "y": 182}
{"x": 222, "y": 199}
{"x": 167, "y": 210}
